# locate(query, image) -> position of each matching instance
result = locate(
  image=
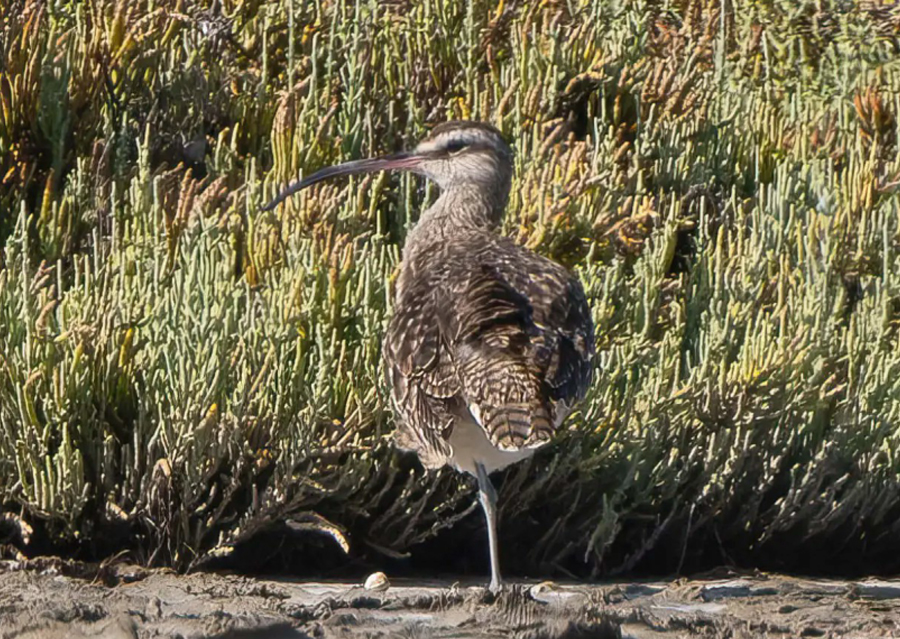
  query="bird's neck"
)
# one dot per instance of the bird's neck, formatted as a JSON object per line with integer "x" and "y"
{"x": 456, "y": 216}
{"x": 458, "y": 211}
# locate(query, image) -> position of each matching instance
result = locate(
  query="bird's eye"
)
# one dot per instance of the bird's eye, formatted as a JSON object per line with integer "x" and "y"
{"x": 455, "y": 145}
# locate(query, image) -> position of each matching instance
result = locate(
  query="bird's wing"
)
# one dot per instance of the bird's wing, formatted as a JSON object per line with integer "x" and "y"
{"x": 421, "y": 374}
{"x": 560, "y": 311}
{"x": 520, "y": 334}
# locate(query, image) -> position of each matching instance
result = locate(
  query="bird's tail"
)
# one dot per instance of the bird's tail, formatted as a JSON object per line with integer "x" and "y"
{"x": 514, "y": 425}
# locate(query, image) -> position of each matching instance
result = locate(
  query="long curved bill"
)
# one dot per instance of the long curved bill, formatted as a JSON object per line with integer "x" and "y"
{"x": 384, "y": 163}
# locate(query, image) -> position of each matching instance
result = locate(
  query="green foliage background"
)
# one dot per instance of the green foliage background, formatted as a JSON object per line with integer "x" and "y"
{"x": 180, "y": 372}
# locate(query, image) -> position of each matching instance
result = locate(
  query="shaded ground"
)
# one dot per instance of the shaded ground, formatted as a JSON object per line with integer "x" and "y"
{"x": 51, "y": 599}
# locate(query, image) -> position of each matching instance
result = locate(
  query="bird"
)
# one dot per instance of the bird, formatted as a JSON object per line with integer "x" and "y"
{"x": 490, "y": 345}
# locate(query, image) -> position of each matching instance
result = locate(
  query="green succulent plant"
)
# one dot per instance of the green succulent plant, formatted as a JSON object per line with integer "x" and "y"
{"x": 175, "y": 363}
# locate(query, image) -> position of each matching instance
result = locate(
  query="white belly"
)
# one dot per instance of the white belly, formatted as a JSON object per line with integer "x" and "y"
{"x": 471, "y": 445}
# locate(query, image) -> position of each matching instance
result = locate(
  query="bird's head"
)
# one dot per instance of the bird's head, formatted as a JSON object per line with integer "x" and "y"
{"x": 465, "y": 153}
{"x": 456, "y": 154}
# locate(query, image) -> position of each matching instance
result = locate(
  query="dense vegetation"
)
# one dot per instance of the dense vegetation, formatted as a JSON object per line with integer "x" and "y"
{"x": 180, "y": 372}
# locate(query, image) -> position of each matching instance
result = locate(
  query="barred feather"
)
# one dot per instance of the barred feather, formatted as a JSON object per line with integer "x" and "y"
{"x": 494, "y": 328}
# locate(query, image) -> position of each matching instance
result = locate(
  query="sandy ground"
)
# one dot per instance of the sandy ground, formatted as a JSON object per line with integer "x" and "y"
{"x": 51, "y": 599}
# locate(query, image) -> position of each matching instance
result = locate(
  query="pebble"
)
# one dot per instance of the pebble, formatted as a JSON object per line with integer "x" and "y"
{"x": 377, "y": 581}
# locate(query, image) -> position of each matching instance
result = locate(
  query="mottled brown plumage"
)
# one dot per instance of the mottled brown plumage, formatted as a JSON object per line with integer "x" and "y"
{"x": 490, "y": 344}
{"x": 481, "y": 323}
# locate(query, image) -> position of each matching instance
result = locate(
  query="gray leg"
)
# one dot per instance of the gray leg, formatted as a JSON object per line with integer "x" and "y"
{"x": 488, "y": 497}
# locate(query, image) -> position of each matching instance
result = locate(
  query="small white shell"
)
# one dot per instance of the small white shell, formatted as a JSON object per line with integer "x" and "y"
{"x": 543, "y": 588}
{"x": 377, "y": 581}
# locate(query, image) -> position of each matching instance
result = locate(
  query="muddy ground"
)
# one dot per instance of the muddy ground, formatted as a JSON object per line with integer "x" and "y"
{"x": 51, "y": 599}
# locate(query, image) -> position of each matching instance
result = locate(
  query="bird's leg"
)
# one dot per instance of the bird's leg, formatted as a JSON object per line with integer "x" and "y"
{"x": 488, "y": 497}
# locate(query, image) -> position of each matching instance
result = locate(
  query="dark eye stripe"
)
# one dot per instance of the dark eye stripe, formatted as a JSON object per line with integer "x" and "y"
{"x": 455, "y": 145}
